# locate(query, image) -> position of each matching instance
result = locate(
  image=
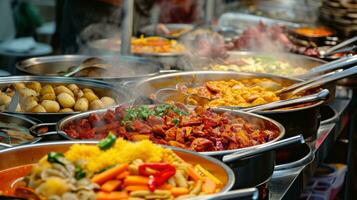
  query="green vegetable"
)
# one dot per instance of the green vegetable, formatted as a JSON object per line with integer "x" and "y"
{"x": 107, "y": 142}
{"x": 143, "y": 112}
{"x": 79, "y": 173}
{"x": 53, "y": 157}
{"x": 176, "y": 121}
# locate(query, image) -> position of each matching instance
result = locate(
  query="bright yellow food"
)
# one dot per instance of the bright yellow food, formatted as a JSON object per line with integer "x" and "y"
{"x": 156, "y": 45}
{"x": 243, "y": 93}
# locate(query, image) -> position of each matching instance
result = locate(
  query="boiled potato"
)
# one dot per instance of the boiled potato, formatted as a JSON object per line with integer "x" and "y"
{"x": 88, "y": 90}
{"x": 96, "y": 104}
{"x": 82, "y": 104}
{"x": 90, "y": 96}
{"x": 9, "y": 92}
{"x": 73, "y": 87}
{"x": 19, "y": 86}
{"x": 47, "y": 89}
{"x": 107, "y": 101}
{"x": 78, "y": 94}
{"x": 26, "y": 92}
{"x": 66, "y": 100}
{"x": 4, "y": 99}
{"x": 29, "y": 106}
{"x": 66, "y": 110}
{"x": 63, "y": 89}
{"x": 30, "y": 102}
{"x": 48, "y": 96}
{"x": 38, "y": 108}
{"x": 34, "y": 85}
{"x": 50, "y": 105}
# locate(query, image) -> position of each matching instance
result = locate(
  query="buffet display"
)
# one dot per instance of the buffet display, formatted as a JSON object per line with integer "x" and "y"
{"x": 137, "y": 131}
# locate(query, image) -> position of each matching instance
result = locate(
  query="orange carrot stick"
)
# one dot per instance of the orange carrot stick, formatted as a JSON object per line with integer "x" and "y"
{"x": 145, "y": 187}
{"x": 123, "y": 175}
{"x": 132, "y": 188}
{"x": 136, "y": 180}
{"x": 111, "y": 185}
{"x": 112, "y": 195}
{"x": 109, "y": 174}
{"x": 193, "y": 174}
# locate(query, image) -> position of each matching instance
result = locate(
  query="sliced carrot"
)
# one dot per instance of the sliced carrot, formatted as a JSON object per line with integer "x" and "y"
{"x": 209, "y": 186}
{"x": 178, "y": 191}
{"x": 123, "y": 175}
{"x": 193, "y": 174}
{"x": 112, "y": 195}
{"x": 132, "y": 188}
{"x": 165, "y": 187}
{"x": 136, "y": 180}
{"x": 111, "y": 185}
{"x": 145, "y": 187}
{"x": 109, "y": 174}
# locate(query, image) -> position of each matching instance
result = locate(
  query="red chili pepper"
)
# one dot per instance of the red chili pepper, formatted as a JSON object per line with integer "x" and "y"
{"x": 162, "y": 172}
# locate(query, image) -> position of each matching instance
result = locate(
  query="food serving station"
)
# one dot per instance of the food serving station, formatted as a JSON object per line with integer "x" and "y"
{"x": 242, "y": 107}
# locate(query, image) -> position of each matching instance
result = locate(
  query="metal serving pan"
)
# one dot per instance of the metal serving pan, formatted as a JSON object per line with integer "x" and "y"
{"x": 134, "y": 67}
{"x": 305, "y": 62}
{"x": 308, "y": 116}
{"x": 20, "y": 121}
{"x": 247, "y": 170}
{"x": 151, "y": 30}
{"x": 99, "y": 87}
{"x": 99, "y": 47}
{"x": 32, "y": 153}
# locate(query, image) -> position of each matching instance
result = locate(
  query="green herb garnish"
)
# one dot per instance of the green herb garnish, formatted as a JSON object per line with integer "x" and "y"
{"x": 79, "y": 173}
{"x": 107, "y": 142}
{"x": 143, "y": 112}
{"x": 176, "y": 121}
{"x": 53, "y": 157}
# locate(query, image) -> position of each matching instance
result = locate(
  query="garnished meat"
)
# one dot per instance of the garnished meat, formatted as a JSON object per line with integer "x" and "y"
{"x": 198, "y": 130}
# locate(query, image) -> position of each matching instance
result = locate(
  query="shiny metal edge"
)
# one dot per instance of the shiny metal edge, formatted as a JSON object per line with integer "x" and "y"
{"x": 307, "y": 159}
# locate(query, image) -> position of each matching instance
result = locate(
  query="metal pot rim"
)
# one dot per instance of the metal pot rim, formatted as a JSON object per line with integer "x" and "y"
{"x": 281, "y": 128}
{"x": 331, "y": 119}
{"x": 229, "y": 171}
{"x": 298, "y": 163}
{"x": 22, "y": 65}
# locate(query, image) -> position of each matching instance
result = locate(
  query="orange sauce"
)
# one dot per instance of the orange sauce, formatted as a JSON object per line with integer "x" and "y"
{"x": 314, "y": 31}
{"x": 8, "y": 176}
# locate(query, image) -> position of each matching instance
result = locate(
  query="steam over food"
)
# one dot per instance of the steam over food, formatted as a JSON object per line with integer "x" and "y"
{"x": 260, "y": 64}
{"x": 53, "y": 98}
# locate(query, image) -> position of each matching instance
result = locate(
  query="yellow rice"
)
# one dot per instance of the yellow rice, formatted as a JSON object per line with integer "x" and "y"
{"x": 121, "y": 152}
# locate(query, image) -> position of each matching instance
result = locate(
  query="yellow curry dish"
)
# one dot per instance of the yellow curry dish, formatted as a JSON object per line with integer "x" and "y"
{"x": 241, "y": 93}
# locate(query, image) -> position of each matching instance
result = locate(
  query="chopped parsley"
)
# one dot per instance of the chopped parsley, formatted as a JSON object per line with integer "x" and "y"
{"x": 79, "y": 173}
{"x": 144, "y": 111}
{"x": 176, "y": 121}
